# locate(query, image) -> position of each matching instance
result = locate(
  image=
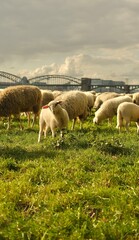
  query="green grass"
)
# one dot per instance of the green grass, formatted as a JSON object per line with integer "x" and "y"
{"x": 83, "y": 187}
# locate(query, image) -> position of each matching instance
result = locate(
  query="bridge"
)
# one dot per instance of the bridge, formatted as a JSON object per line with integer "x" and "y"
{"x": 44, "y": 81}
{"x": 63, "y": 82}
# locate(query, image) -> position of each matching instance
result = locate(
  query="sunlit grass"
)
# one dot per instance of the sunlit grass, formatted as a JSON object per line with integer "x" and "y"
{"x": 85, "y": 186}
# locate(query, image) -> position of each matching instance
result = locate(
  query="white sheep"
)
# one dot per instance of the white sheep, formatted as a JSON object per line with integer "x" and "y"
{"x": 104, "y": 97}
{"x": 127, "y": 112}
{"x": 109, "y": 108}
{"x": 52, "y": 116}
{"x": 76, "y": 104}
{"x": 91, "y": 99}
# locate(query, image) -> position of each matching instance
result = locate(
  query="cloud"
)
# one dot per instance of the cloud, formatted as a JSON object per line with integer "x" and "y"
{"x": 104, "y": 66}
{"x": 82, "y": 37}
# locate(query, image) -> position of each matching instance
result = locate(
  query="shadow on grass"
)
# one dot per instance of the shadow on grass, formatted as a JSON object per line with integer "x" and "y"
{"x": 20, "y": 154}
{"x": 113, "y": 147}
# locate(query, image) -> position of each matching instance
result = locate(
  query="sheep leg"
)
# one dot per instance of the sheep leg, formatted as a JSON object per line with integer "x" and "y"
{"x": 9, "y": 121}
{"x": 74, "y": 121}
{"x": 53, "y": 133}
{"x": 109, "y": 121}
{"x": 81, "y": 124}
{"x": 28, "y": 116}
{"x": 46, "y": 131}
{"x": 137, "y": 124}
{"x": 73, "y": 124}
{"x": 40, "y": 134}
{"x": 34, "y": 119}
{"x": 62, "y": 133}
{"x": 119, "y": 122}
{"x": 20, "y": 124}
{"x": 42, "y": 126}
{"x": 119, "y": 127}
{"x": 127, "y": 126}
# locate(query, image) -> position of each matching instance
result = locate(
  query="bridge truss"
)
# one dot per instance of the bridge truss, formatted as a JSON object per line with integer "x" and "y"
{"x": 11, "y": 77}
{"x": 55, "y": 79}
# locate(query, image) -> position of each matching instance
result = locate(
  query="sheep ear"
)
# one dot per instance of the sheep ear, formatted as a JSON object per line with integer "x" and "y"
{"x": 58, "y": 102}
{"x": 46, "y": 106}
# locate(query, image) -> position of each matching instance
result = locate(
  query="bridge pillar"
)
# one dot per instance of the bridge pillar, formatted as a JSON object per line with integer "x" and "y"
{"x": 85, "y": 84}
{"x": 127, "y": 88}
{"x": 24, "y": 80}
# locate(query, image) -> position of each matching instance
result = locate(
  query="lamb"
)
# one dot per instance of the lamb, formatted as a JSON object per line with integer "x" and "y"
{"x": 104, "y": 97}
{"x": 75, "y": 102}
{"x": 129, "y": 112}
{"x": 109, "y": 108}
{"x": 17, "y": 99}
{"x": 52, "y": 116}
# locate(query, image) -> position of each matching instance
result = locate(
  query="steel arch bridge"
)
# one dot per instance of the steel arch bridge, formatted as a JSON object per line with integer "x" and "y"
{"x": 46, "y": 78}
{"x": 55, "y": 78}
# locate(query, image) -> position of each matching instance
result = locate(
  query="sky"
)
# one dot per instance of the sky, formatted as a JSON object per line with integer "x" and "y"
{"x": 78, "y": 38}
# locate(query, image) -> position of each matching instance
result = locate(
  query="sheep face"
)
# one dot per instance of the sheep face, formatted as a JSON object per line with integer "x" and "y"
{"x": 53, "y": 106}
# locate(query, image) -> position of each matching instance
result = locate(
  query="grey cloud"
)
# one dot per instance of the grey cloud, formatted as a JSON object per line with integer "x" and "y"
{"x": 40, "y": 29}
{"x": 64, "y": 26}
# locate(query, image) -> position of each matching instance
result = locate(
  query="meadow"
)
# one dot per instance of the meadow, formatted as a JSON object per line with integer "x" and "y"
{"x": 85, "y": 186}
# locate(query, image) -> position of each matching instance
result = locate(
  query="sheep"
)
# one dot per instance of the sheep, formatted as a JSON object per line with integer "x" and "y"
{"x": 104, "y": 97}
{"x": 47, "y": 96}
{"x": 57, "y": 93}
{"x": 93, "y": 92}
{"x": 109, "y": 108}
{"x": 52, "y": 116}
{"x": 129, "y": 94}
{"x": 76, "y": 104}
{"x": 91, "y": 99}
{"x": 17, "y": 99}
{"x": 129, "y": 112}
{"x": 135, "y": 98}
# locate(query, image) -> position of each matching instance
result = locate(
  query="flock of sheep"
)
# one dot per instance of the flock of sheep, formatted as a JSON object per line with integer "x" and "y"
{"x": 56, "y": 108}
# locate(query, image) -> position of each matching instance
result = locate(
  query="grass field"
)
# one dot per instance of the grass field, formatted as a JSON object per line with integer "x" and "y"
{"x": 83, "y": 187}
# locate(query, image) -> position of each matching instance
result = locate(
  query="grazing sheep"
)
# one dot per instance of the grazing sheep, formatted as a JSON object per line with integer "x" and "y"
{"x": 52, "y": 116}
{"x": 104, "y": 97}
{"x": 76, "y": 104}
{"x": 93, "y": 92}
{"x": 135, "y": 98}
{"x": 109, "y": 108}
{"x": 129, "y": 94}
{"x": 127, "y": 112}
{"x": 17, "y": 99}
{"x": 91, "y": 100}
{"x": 47, "y": 96}
{"x": 57, "y": 93}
